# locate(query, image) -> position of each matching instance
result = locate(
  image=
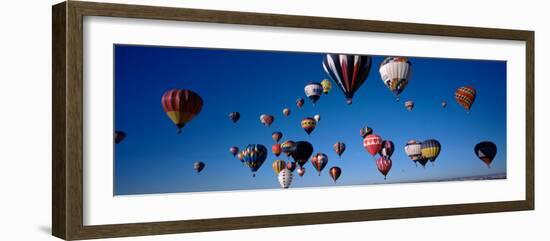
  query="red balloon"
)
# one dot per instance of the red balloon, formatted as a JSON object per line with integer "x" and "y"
{"x": 384, "y": 165}
{"x": 372, "y": 143}
{"x": 319, "y": 161}
{"x": 181, "y": 106}
{"x": 276, "y": 149}
{"x": 335, "y": 173}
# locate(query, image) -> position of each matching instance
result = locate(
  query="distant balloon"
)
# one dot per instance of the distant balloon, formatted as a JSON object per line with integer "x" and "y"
{"x": 301, "y": 171}
{"x": 384, "y": 165}
{"x": 465, "y": 96}
{"x": 240, "y": 156}
{"x": 198, "y": 166}
{"x": 430, "y": 149}
{"x": 308, "y": 124}
{"x": 396, "y": 73}
{"x": 291, "y": 166}
{"x": 319, "y": 161}
{"x": 181, "y": 106}
{"x": 278, "y": 166}
{"x": 234, "y": 150}
{"x": 313, "y": 91}
{"x": 335, "y": 173}
{"x": 234, "y": 116}
{"x": 365, "y": 131}
{"x": 387, "y": 149}
{"x": 409, "y": 104}
{"x": 326, "y": 86}
{"x": 299, "y": 102}
{"x": 444, "y": 104}
{"x": 486, "y": 151}
{"x": 276, "y": 136}
{"x": 339, "y": 148}
{"x": 276, "y": 149}
{"x": 266, "y": 119}
{"x": 285, "y": 178}
{"x": 286, "y": 111}
{"x": 317, "y": 117}
{"x": 303, "y": 151}
{"x": 119, "y": 136}
{"x": 372, "y": 143}
{"x": 254, "y": 156}
{"x": 413, "y": 150}
{"x": 288, "y": 147}
{"x": 349, "y": 72}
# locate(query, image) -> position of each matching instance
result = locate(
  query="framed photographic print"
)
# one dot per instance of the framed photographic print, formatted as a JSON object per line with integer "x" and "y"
{"x": 170, "y": 120}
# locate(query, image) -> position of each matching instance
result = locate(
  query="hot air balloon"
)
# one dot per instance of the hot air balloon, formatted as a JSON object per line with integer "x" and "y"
{"x": 181, "y": 106}
{"x": 384, "y": 165}
{"x": 365, "y": 131}
{"x": 313, "y": 91}
{"x": 254, "y": 156}
{"x": 465, "y": 96}
{"x": 234, "y": 150}
{"x": 396, "y": 73}
{"x": 308, "y": 124}
{"x": 444, "y": 104}
{"x": 286, "y": 111}
{"x": 430, "y": 149}
{"x": 387, "y": 149}
{"x": 234, "y": 116}
{"x": 119, "y": 136}
{"x": 288, "y": 147}
{"x": 276, "y": 136}
{"x": 413, "y": 150}
{"x": 276, "y": 149}
{"x": 335, "y": 173}
{"x": 409, "y": 104}
{"x": 319, "y": 161}
{"x": 339, "y": 148}
{"x": 372, "y": 143}
{"x": 347, "y": 71}
{"x": 317, "y": 117}
{"x": 291, "y": 166}
{"x": 285, "y": 178}
{"x": 266, "y": 119}
{"x": 486, "y": 151}
{"x": 326, "y": 86}
{"x": 198, "y": 166}
{"x": 301, "y": 171}
{"x": 278, "y": 166}
{"x": 303, "y": 151}
{"x": 299, "y": 102}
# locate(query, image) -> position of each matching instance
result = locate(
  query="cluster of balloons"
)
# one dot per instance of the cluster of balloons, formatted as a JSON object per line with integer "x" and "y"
{"x": 422, "y": 152}
{"x": 374, "y": 144}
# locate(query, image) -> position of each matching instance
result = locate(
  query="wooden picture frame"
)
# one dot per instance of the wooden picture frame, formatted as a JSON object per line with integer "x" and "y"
{"x": 67, "y": 152}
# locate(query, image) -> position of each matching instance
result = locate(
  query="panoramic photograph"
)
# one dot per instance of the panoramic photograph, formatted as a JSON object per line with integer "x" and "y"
{"x": 203, "y": 120}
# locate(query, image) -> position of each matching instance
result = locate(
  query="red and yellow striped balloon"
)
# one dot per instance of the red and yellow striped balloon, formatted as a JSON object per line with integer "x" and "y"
{"x": 465, "y": 96}
{"x": 181, "y": 106}
{"x": 308, "y": 124}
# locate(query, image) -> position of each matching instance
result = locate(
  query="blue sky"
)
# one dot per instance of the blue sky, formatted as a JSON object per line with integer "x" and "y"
{"x": 155, "y": 159}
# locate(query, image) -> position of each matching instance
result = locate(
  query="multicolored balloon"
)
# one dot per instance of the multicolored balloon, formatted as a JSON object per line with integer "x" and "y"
{"x": 387, "y": 149}
{"x": 288, "y": 147}
{"x": 119, "y": 136}
{"x": 285, "y": 178}
{"x": 299, "y": 102}
{"x": 326, "y": 86}
{"x": 234, "y": 116}
{"x": 286, "y": 111}
{"x": 276, "y": 136}
{"x": 409, "y": 104}
{"x": 291, "y": 166}
{"x": 276, "y": 149}
{"x": 313, "y": 91}
{"x": 234, "y": 150}
{"x": 317, "y": 117}
{"x": 430, "y": 149}
{"x": 181, "y": 106}
{"x": 278, "y": 166}
{"x": 254, "y": 156}
{"x": 335, "y": 173}
{"x": 266, "y": 119}
{"x": 319, "y": 161}
{"x": 413, "y": 149}
{"x": 465, "y": 96}
{"x": 384, "y": 165}
{"x": 301, "y": 171}
{"x": 349, "y": 72}
{"x": 365, "y": 131}
{"x": 486, "y": 151}
{"x": 339, "y": 148}
{"x": 396, "y": 73}
{"x": 303, "y": 152}
{"x": 308, "y": 124}
{"x": 372, "y": 143}
{"x": 198, "y": 166}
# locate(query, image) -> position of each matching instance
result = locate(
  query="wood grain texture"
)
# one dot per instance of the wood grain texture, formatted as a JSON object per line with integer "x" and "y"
{"x": 67, "y": 179}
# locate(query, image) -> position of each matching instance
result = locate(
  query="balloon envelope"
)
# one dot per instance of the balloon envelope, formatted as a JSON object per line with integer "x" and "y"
{"x": 486, "y": 151}
{"x": 335, "y": 173}
{"x": 285, "y": 178}
{"x": 119, "y": 136}
{"x": 308, "y": 124}
{"x": 372, "y": 143}
{"x": 303, "y": 151}
{"x": 276, "y": 136}
{"x": 234, "y": 116}
{"x": 313, "y": 91}
{"x": 339, "y": 148}
{"x": 430, "y": 149}
{"x": 396, "y": 73}
{"x": 384, "y": 165}
{"x": 347, "y": 71}
{"x": 198, "y": 166}
{"x": 181, "y": 106}
{"x": 465, "y": 96}
{"x": 319, "y": 161}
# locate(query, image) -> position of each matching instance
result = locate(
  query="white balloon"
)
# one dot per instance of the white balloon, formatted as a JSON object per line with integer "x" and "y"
{"x": 413, "y": 150}
{"x": 285, "y": 178}
{"x": 317, "y": 117}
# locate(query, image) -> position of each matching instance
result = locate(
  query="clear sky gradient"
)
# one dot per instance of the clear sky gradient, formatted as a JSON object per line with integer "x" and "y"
{"x": 155, "y": 159}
